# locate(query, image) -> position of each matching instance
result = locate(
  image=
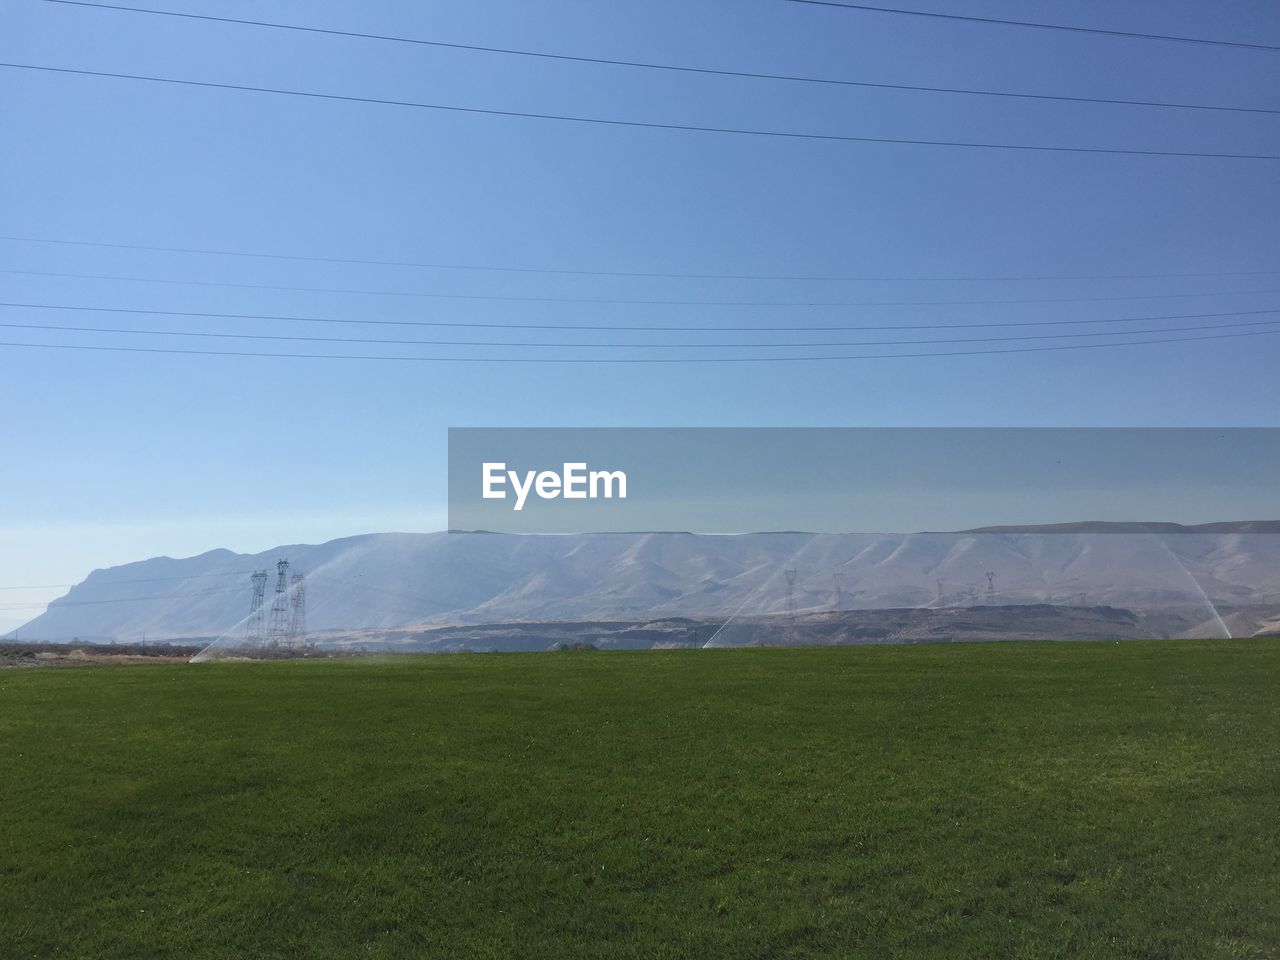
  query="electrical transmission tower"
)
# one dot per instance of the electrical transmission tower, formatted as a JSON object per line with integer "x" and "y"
{"x": 298, "y": 612}
{"x": 939, "y": 591}
{"x": 991, "y": 586}
{"x": 838, "y": 577}
{"x": 255, "y": 625}
{"x": 791, "y": 604}
{"x": 277, "y": 632}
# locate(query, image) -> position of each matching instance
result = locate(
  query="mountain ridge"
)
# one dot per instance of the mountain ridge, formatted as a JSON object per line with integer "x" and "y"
{"x": 387, "y": 580}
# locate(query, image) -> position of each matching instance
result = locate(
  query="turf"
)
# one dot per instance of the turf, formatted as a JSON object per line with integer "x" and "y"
{"x": 966, "y": 801}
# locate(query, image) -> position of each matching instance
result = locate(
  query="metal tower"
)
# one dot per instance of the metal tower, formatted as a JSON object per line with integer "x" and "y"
{"x": 298, "y": 612}
{"x": 791, "y": 594}
{"x": 991, "y": 586}
{"x": 277, "y": 632}
{"x": 255, "y": 624}
{"x": 838, "y": 577}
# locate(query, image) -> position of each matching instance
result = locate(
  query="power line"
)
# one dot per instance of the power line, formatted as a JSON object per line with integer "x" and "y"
{"x": 194, "y": 576}
{"x": 1040, "y": 26}
{"x": 649, "y": 125}
{"x": 82, "y": 603}
{"x": 616, "y": 360}
{"x": 627, "y": 327}
{"x": 625, "y": 346}
{"x": 112, "y": 583}
{"x": 635, "y": 302}
{"x": 675, "y": 68}
{"x": 622, "y": 273}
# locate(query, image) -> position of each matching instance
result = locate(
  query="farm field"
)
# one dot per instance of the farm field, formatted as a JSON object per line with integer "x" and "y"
{"x": 946, "y": 801}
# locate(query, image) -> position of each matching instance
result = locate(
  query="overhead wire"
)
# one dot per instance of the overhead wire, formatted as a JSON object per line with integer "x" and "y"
{"x": 626, "y": 301}
{"x": 294, "y": 338}
{"x": 647, "y": 65}
{"x": 647, "y": 124}
{"x": 623, "y": 360}
{"x": 484, "y": 325}
{"x": 1131, "y": 34}
{"x": 490, "y": 268}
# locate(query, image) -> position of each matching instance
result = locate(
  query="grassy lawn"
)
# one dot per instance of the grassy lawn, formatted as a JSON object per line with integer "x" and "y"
{"x": 968, "y": 801}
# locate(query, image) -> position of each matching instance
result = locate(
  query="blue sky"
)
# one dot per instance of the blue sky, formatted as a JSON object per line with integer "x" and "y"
{"x": 110, "y": 457}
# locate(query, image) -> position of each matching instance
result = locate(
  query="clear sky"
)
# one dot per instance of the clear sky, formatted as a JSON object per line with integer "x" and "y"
{"x": 110, "y": 457}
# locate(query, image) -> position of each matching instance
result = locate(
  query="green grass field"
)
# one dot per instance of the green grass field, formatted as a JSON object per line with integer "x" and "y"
{"x": 968, "y": 801}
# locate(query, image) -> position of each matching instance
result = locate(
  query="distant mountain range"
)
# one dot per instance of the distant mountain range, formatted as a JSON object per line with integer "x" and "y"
{"x": 398, "y": 580}
{"x": 1138, "y": 526}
